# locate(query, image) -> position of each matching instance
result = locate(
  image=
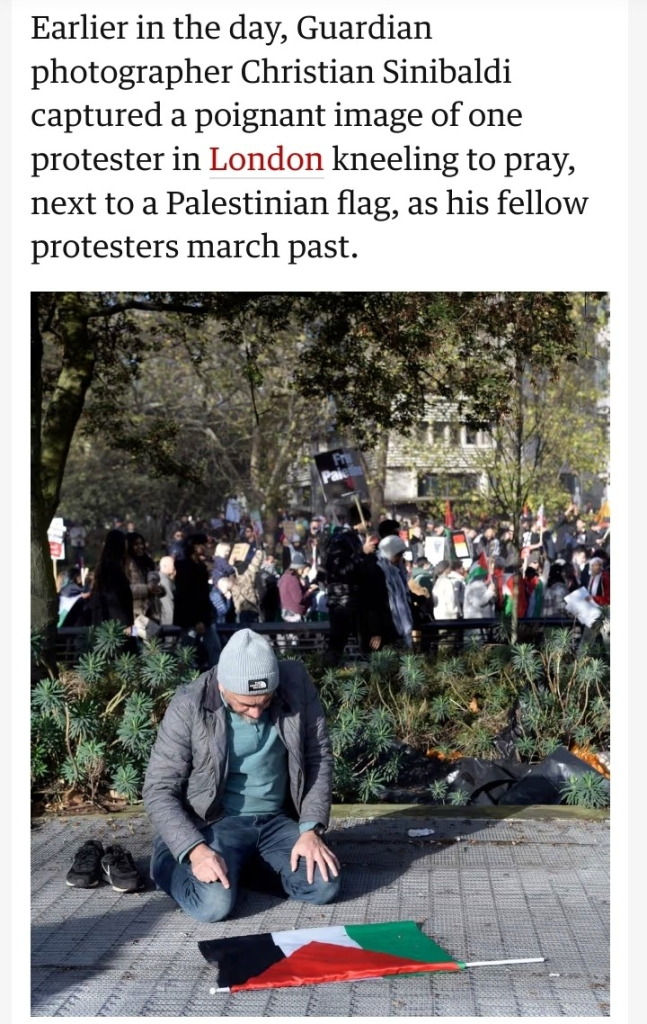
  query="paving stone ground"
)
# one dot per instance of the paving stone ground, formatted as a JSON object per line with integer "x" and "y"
{"x": 484, "y": 889}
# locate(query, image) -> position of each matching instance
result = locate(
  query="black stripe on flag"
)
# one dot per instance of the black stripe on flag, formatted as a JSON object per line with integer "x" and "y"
{"x": 242, "y": 957}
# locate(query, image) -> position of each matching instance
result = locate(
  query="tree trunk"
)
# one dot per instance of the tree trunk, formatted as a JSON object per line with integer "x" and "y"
{"x": 51, "y": 436}
{"x": 376, "y": 478}
{"x": 517, "y": 492}
{"x": 43, "y": 591}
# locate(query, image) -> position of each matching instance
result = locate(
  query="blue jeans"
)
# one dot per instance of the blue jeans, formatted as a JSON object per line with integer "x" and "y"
{"x": 236, "y": 838}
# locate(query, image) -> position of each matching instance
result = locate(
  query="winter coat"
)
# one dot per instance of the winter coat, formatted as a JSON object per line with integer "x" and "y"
{"x": 139, "y": 587}
{"x": 445, "y": 598}
{"x": 192, "y": 604}
{"x": 480, "y": 600}
{"x": 294, "y": 596}
{"x": 223, "y": 606}
{"x": 244, "y": 590}
{"x": 221, "y": 567}
{"x": 375, "y": 618}
{"x": 187, "y": 772}
{"x": 114, "y": 600}
{"x": 603, "y": 593}
{"x": 167, "y": 600}
{"x": 344, "y": 559}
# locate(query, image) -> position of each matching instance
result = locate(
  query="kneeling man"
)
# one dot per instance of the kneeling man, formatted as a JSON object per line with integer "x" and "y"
{"x": 242, "y": 767}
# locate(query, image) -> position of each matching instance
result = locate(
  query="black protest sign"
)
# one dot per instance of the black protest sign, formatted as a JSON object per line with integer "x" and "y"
{"x": 341, "y": 474}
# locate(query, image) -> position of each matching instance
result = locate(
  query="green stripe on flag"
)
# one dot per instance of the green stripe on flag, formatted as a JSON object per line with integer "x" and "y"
{"x": 400, "y": 938}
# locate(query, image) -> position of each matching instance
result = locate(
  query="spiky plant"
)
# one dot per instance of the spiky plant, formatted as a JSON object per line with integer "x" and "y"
{"x": 371, "y": 785}
{"x": 441, "y": 708}
{"x": 438, "y": 790}
{"x": 459, "y": 797}
{"x": 589, "y": 790}
{"x": 48, "y": 699}
{"x": 109, "y": 639}
{"x": 92, "y": 667}
{"x": 412, "y": 674}
{"x": 383, "y": 664}
{"x": 127, "y": 781}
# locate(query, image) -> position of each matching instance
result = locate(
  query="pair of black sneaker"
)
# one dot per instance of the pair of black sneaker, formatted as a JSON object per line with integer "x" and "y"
{"x": 114, "y": 864}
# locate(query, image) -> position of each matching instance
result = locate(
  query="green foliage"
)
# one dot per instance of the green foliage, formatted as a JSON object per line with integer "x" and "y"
{"x": 459, "y": 704}
{"x": 48, "y": 698}
{"x": 589, "y": 790}
{"x": 438, "y": 791}
{"x": 93, "y": 728}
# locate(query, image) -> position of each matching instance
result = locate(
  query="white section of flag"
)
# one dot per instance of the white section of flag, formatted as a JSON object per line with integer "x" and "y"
{"x": 289, "y": 942}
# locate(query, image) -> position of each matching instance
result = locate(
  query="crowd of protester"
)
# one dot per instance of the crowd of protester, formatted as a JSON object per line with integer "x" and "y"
{"x": 378, "y": 582}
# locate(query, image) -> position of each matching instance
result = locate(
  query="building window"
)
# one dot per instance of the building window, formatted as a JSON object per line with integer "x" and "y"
{"x": 454, "y": 436}
{"x": 453, "y": 485}
{"x": 471, "y": 436}
{"x": 439, "y": 433}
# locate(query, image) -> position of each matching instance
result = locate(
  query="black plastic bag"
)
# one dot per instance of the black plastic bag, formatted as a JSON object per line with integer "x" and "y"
{"x": 542, "y": 783}
{"x": 484, "y": 782}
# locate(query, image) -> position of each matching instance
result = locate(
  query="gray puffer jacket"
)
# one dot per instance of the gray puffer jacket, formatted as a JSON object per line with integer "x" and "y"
{"x": 187, "y": 771}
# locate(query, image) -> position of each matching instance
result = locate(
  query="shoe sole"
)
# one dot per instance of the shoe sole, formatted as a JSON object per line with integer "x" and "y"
{"x": 136, "y": 888}
{"x": 82, "y": 885}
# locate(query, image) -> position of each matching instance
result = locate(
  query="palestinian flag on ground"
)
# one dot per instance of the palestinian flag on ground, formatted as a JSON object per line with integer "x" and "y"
{"x": 310, "y": 956}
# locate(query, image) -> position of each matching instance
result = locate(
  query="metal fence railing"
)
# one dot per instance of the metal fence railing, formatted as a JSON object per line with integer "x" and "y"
{"x": 305, "y": 637}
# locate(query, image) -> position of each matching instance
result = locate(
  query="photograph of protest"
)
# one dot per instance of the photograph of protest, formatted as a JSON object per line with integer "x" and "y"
{"x": 320, "y": 617}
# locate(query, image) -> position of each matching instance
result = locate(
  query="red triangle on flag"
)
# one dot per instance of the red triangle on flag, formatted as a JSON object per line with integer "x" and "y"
{"x": 319, "y": 962}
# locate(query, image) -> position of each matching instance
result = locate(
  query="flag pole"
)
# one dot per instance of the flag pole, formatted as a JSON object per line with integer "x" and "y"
{"x": 499, "y": 963}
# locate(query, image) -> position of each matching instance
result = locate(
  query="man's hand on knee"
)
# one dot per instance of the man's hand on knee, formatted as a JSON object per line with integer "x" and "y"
{"x": 208, "y": 866}
{"x": 315, "y": 851}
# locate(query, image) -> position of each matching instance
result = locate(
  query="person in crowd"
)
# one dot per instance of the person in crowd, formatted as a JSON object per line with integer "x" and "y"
{"x": 457, "y": 576}
{"x": 570, "y": 577}
{"x": 480, "y": 594}
{"x": 292, "y": 547}
{"x": 130, "y": 527}
{"x": 193, "y": 610}
{"x": 515, "y": 583}
{"x": 295, "y": 593}
{"x": 311, "y": 545}
{"x": 445, "y": 597}
{"x": 221, "y": 565}
{"x": 267, "y": 586}
{"x": 176, "y": 547}
{"x": 564, "y": 531}
{"x": 555, "y": 593}
{"x": 420, "y": 585}
{"x": 347, "y": 550}
{"x": 385, "y": 615}
{"x": 599, "y": 584}
{"x": 245, "y": 588}
{"x": 533, "y": 584}
{"x": 70, "y": 594}
{"x": 167, "y": 574}
{"x": 388, "y": 528}
{"x": 249, "y": 789}
{"x": 139, "y": 567}
{"x": 488, "y": 542}
{"x": 249, "y": 537}
{"x": 222, "y": 600}
{"x": 584, "y": 535}
{"x": 509, "y": 551}
{"x": 111, "y": 596}
{"x": 416, "y": 541}
{"x": 580, "y": 562}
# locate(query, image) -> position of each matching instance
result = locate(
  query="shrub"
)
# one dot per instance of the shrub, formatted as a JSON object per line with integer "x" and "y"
{"x": 93, "y": 727}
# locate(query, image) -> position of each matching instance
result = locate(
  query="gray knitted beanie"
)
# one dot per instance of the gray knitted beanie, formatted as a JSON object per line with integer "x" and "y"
{"x": 248, "y": 665}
